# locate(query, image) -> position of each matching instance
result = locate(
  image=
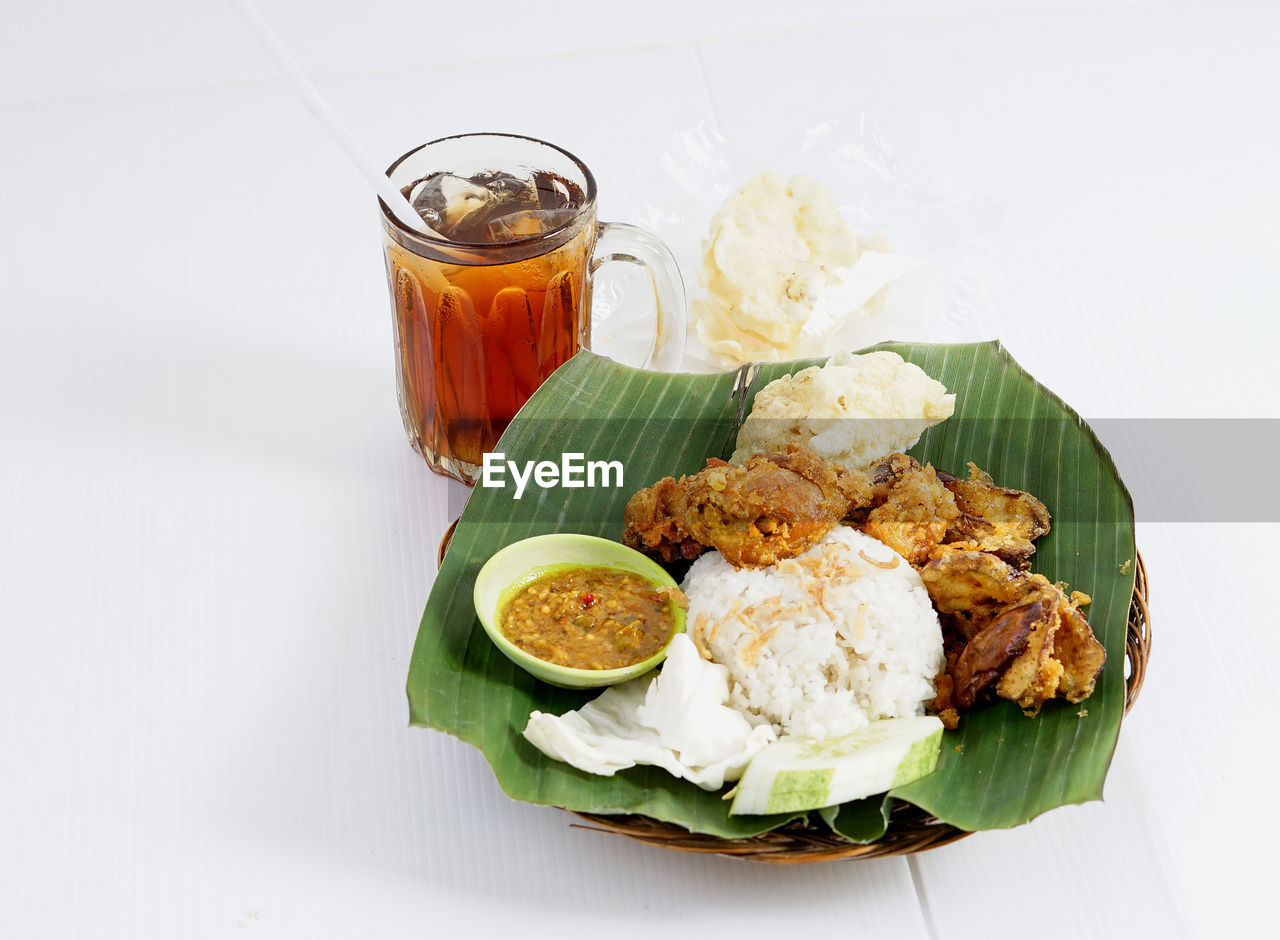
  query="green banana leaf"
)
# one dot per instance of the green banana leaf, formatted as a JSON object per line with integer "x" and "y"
{"x": 1000, "y": 769}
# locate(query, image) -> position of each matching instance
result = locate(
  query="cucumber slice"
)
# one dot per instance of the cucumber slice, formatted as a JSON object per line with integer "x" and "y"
{"x": 795, "y": 773}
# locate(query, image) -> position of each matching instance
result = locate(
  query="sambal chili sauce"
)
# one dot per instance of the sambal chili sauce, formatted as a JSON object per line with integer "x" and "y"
{"x": 590, "y": 618}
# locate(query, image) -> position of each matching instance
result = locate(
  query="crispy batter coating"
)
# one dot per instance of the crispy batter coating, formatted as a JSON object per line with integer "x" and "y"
{"x": 777, "y": 505}
{"x": 1002, "y": 521}
{"x": 1080, "y": 653}
{"x": 652, "y": 521}
{"x": 774, "y": 506}
{"x": 977, "y": 587}
{"x": 1009, "y": 631}
{"x": 915, "y": 516}
{"x": 979, "y": 515}
{"x": 885, "y": 474}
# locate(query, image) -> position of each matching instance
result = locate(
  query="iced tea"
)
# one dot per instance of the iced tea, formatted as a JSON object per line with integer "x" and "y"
{"x": 492, "y": 292}
{"x": 489, "y": 309}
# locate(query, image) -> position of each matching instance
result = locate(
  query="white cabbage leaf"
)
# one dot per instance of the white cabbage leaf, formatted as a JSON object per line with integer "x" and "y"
{"x": 677, "y": 720}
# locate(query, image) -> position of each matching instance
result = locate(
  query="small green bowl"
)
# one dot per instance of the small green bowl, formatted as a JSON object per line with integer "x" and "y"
{"x": 511, "y": 568}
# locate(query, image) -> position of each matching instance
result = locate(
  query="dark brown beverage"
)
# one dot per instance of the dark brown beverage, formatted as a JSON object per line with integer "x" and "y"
{"x": 489, "y": 309}
{"x": 495, "y": 294}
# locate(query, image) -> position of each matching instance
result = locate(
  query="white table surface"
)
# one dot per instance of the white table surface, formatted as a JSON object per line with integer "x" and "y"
{"x": 215, "y": 543}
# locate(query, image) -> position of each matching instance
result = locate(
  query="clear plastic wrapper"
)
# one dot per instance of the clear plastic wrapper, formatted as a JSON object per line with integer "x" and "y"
{"x": 943, "y": 299}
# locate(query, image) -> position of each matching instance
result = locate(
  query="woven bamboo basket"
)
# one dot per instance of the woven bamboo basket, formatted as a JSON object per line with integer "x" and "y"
{"x": 910, "y": 828}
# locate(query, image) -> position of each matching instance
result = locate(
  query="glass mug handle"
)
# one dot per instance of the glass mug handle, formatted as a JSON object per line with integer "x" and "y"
{"x": 618, "y": 241}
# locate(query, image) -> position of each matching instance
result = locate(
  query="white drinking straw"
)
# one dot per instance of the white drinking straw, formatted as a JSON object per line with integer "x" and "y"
{"x": 314, "y": 102}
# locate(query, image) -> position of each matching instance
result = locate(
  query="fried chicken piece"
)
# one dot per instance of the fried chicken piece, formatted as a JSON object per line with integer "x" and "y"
{"x": 970, "y": 588}
{"x": 777, "y": 505}
{"x": 1032, "y": 678}
{"x": 1009, "y": 631}
{"x": 978, "y": 515}
{"x": 773, "y": 507}
{"x": 995, "y": 648}
{"x": 915, "y": 516}
{"x": 651, "y": 518}
{"x": 1080, "y": 653}
{"x": 885, "y": 474}
{"x": 995, "y": 519}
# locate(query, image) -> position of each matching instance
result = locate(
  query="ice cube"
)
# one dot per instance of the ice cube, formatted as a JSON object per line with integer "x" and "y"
{"x": 461, "y": 208}
{"x": 513, "y": 192}
{"x": 554, "y": 192}
{"x": 528, "y": 222}
{"x": 452, "y": 205}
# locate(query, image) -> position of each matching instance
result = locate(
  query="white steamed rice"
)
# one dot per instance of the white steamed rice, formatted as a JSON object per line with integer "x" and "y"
{"x": 821, "y": 644}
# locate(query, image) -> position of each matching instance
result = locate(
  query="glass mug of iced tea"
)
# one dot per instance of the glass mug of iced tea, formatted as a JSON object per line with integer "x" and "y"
{"x": 498, "y": 293}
